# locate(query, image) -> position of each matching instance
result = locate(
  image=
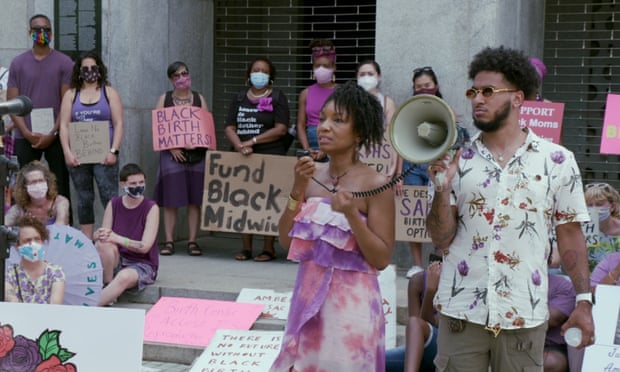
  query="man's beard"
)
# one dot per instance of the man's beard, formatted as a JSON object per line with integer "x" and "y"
{"x": 496, "y": 123}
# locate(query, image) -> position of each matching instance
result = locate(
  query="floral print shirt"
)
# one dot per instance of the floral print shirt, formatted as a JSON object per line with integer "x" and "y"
{"x": 33, "y": 292}
{"x": 495, "y": 273}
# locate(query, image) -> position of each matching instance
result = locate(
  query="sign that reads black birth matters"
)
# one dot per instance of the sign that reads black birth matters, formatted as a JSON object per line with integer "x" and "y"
{"x": 77, "y": 26}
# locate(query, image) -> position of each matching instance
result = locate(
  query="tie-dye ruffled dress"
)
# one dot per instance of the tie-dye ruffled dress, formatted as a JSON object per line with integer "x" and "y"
{"x": 335, "y": 321}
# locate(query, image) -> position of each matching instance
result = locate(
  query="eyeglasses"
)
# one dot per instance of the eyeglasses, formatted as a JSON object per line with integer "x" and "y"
{"x": 325, "y": 48}
{"x": 177, "y": 75}
{"x": 420, "y": 70}
{"x": 600, "y": 185}
{"x": 487, "y": 92}
{"x": 93, "y": 68}
{"x": 41, "y": 29}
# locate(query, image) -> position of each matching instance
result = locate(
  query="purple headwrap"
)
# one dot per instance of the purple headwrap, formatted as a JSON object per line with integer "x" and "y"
{"x": 540, "y": 67}
{"x": 327, "y": 51}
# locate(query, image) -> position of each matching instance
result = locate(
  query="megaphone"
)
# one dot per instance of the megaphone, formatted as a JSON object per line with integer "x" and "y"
{"x": 20, "y": 106}
{"x": 423, "y": 129}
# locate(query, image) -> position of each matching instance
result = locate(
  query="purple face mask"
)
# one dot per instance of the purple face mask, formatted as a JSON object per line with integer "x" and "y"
{"x": 182, "y": 82}
{"x": 431, "y": 91}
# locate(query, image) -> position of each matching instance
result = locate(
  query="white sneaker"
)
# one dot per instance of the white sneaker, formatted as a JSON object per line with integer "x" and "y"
{"x": 414, "y": 270}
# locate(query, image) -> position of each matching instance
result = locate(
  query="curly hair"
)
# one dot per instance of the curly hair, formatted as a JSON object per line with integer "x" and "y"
{"x": 272, "y": 68}
{"x": 19, "y": 189}
{"x": 76, "y": 80}
{"x": 28, "y": 221}
{"x": 363, "y": 109}
{"x": 512, "y": 63}
{"x": 596, "y": 192}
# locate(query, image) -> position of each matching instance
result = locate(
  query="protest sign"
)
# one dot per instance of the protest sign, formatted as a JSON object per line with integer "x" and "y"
{"x": 191, "y": 321}
{"x": 411, "y": 211}
{"x": 182, "y": 127}
{"x": 276, "y": 304}
{"x": 382, "y": 158}
{"x": 239, "y": 351}
{"x": 604, "y": 355}
{"x": 387, "y": 286}
{"x": 610, "y": 139}
{"x": 59, "y": 337}
{"x": 42, "y": 120}
{"x": 245, "y": 194}
{"x": 544, "y": 118}
{"x": 90, "y": 141}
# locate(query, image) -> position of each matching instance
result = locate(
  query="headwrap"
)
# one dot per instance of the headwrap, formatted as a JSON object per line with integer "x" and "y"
{"x": 540, "y": 67}
{"x": 327, "y": 51}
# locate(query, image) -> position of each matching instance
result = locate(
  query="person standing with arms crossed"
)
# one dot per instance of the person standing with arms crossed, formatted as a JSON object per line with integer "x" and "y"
{"x": 43, "y": 74}
{"x": 491, "y": 215}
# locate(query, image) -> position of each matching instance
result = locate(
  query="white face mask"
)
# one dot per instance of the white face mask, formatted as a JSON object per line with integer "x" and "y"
{"x": 368, "y": 82}
{"x": 37, "y": 190}
{"x": 603, "y": 213}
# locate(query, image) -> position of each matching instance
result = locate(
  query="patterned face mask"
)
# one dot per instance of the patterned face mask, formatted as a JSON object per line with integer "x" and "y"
{"x": 32, "y": 251}
{"x": 90, "y": 74}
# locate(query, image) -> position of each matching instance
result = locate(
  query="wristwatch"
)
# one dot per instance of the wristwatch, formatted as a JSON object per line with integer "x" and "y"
{"x": 114, "y": 151}
{"x": 586, "y": 296}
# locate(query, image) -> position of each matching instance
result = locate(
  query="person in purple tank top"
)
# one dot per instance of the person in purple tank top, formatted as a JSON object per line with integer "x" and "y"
{"x": 312, "y": 98}
{"x": 91, "y": 98}
{"x": 126, "y": 238}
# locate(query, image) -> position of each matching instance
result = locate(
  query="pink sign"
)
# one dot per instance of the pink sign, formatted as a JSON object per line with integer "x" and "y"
{"x": 182, "y": 127}
{"x": 610, "y": 138}
{"x": 191, "y": 321}
{"x": 544, "y": 118}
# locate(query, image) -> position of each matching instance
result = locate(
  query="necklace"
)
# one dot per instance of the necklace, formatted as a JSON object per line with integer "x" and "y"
{"x": 336, "y": 179}
{"x": 256, "y": 96}
{"x": 178, "y": 101}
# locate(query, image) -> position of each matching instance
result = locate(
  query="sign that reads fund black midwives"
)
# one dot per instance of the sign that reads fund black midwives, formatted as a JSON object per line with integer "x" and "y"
{"x": 182, "y": 127}
{"x": 245, "y": 194}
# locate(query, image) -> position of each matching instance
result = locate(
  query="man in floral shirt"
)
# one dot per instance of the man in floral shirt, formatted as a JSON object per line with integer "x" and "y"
{"x": 492, "y": 215}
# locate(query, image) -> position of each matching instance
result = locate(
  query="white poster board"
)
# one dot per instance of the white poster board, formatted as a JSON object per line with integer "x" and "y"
{"x": 387, "y": 285}
{"x": 239, "y": 351}
{"x": 604, "y": 355}
{"x": 276, "y": 304}
{"x": 42, "y": 120}
{"x": 91, "y": 338}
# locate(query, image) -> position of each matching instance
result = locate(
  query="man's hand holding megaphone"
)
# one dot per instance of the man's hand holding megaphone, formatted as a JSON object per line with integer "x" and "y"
{"x": 443, "y": 170}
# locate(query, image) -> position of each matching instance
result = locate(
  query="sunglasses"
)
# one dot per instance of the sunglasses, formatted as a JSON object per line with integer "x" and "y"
{"x": 420, "y": 70}
{"x": 487, "y": 92}
{"x": 177, "y": 75}
{"x": 603, "y": 186}
{"x": 41, "y": 29}
{"x": 93, "y": 68}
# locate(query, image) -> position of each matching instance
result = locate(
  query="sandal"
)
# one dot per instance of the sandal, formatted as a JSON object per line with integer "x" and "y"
{"x": 167, "y": 249}
{"x": 265, "y": 256}
{"x": 193, "y": 249}
{"x": 244, "y": 255}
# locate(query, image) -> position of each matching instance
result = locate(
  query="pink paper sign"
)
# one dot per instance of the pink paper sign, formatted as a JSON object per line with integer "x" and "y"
{"x": 610, "y": 138}
{"x": 182, "y": 127}
{"x": 190, "y": 321}
{"x": 544, "y": 118}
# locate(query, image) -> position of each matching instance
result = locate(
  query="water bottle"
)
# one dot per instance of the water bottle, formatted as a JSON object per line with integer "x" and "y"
{"x": 572, "y": 336}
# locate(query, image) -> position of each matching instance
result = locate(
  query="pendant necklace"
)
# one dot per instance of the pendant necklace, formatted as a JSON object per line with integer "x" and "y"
{"x": 336, "y": 179}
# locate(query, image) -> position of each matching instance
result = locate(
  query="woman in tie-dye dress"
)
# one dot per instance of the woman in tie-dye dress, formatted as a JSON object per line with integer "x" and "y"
{"x": 336, "y": 318}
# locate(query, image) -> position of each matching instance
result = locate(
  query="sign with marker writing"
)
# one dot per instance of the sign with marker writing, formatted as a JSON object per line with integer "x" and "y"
{"x": 381, "y": 158}
{"x": 90, "y": 141}
{"x": 604, "y": 355}
{"x": 610, "y": 141}
{"x": 182, "y": 127}
{"x": 411, "y": 211}
{"x": 276, "y": 304}
{"x": 240, "y": 351}
{"x": 544, "y": 118}
{"x": 42, "y": 120}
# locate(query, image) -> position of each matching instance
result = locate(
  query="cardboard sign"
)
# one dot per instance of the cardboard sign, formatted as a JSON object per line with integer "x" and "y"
{"x": 245, "y": 194}
{"x": 387, "y": 286}
{"x": 240, "y": 351}
{"x": 610, "y": 137}
{"x": 382, "y": 158}
{"x": 191, "y": 321}
{"x": 90, "y": 141}
{"x": 276, "y": 304}
{"x": 604, "y": 355}
{"x": 544, "y": 118}
{"x": 182, "y": 127}
{"x": 94, "y": 339}
{"x": 411, "y": 212}
{"x": 42, "y": 120}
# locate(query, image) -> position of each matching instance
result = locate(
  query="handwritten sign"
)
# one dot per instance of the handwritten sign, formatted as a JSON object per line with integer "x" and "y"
{"x": 604, "y": 355}
{"x": 411, "y": 212}
{"x": 387, "y": 286}
{"x": 382, "y": 158}
{"x": 90, "y": 140}
{"x": 610, "y": 140}
{"x": 190, "y": 321}
{"x": 240, "y": 351}
{"x": 245, "y": 194}
{"x": 182, "y": 126}
{"x": 276, "y": 304}
{"x": 101, "y": 338}
{"x": 544, "y": 118}
{"x": 42, "y": 120}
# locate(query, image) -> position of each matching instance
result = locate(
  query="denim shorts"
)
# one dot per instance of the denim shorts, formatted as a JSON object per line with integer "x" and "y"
{"x": 417, "y": 176}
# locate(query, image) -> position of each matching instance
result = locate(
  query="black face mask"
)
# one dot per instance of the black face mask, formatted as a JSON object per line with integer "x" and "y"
{"x": 134, "y": 192}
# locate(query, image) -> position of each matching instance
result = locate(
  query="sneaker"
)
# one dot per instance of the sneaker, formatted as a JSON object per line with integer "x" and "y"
{"x": 414, "y": 270}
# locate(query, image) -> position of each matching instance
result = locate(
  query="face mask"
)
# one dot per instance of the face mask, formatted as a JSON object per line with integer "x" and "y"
{"x": 41, "y": 38}
{"x": 368, "y": 82}
{"x": 259, "y": 79}
{"x": 323, "y": 75}
{"x": 37, "y": 190}
{"x": 90, "y": 76}
{"x": 431, "y": 91}
{"x": 603, "y": 213}
{"x": 134, "y": 192}
{"x": 32, "y": 251}
{"x": 182, "y": 82}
